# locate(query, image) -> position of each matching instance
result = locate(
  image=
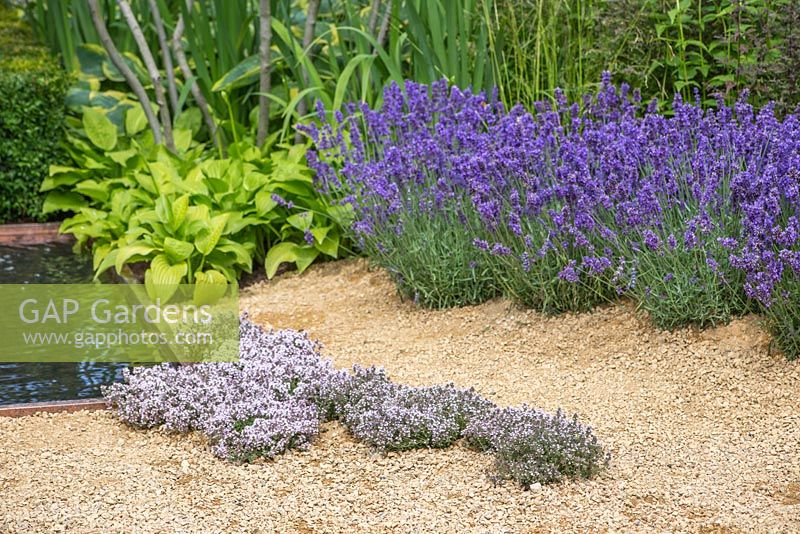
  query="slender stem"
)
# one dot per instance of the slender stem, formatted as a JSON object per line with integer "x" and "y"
{"x": 165, "y": 55}
{"x": 373, "y": 16}
{"x": 308, "y": 38}
{"x": 265, "y": 82}
{"x": 116, "y": 58}
{"x": 387, "y": 16}
{"x": 188, "y": 76}
{"x": 152, "y": 70}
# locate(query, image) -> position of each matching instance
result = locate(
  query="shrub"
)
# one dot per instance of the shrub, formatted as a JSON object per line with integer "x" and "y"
{"x": 410, "y": 207}
{"x": 693, "y": 214}
{"x": 276, "y": 396}
{"x": 531, "y": 446}
{"x": 32, "y": 89}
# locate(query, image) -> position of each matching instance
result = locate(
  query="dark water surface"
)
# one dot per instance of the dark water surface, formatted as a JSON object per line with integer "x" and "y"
{"x": 30, "y": 382}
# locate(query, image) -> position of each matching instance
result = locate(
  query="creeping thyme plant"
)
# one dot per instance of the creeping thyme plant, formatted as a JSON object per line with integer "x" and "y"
{"x": 280, "y": 392}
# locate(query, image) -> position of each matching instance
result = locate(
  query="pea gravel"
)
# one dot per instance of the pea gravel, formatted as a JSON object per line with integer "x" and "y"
{"x": 703, "y": 426}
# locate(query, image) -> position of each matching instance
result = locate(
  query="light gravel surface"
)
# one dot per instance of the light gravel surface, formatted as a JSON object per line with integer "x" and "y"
{"x": 703, "y": 426}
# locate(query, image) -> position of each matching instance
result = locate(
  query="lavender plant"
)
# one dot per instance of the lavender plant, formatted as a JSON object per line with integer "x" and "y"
{"x": 412, "y": 207}
{"x": 692, "y": 213}
{"x": 276, "y": 396}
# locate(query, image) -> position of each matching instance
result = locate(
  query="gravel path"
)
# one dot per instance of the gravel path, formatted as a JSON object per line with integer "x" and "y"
{"x": 704, "y": 428}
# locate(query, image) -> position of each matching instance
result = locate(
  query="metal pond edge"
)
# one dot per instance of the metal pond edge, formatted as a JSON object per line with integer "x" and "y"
{"x": 30, "y": 408}
{"x": 32, "y": 234}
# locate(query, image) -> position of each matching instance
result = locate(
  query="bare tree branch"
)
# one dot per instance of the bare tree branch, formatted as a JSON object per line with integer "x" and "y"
{"x": 265, "y": 83}
{"x": 188, "y": 76}
{"x": 384, "y": 28}
{"x": 166, "y": 55}
{"x": 308, "y": 38}
{"x": 152, "y": 70}
{"x": 116, "y": 58}
{"x": 373, "y": 16}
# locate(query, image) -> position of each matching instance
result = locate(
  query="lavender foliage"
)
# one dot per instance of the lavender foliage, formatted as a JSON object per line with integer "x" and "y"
{"x": 275, "y": 398}
{"x": 693, "y": 213}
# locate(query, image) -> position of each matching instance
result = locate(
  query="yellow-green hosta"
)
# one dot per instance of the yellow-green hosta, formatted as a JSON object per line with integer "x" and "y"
{"x": 193, "y": 216}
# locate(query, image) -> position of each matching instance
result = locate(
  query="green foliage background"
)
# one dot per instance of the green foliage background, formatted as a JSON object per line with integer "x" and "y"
{"x": 32, "y": 89}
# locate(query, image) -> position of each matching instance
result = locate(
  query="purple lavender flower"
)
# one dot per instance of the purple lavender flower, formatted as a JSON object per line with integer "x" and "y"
{"x": 569, "y": 273}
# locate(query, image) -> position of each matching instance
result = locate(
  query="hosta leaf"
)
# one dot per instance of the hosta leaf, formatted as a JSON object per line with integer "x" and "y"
{"x": 297, "y": 187}
{"x": 301, "y": 221}
{"x": 161, "y": 280}
{"x": 190, "y": 119}
{"x": 264, "y": 202}
{"x": 182, "y": 138}
{"x": 62, "y": 178}
{"x": 177, "y": 250}
{"x": 164, "y": 211}
{"x": 242, "y": 255}
{"x": 146, "y": 181}
{"x": 135, "y": 120}
{"x": 217, "y": 185}
{"x": 62, "y": 201}
{"x": 341, "y": 214}
{"x": 281, "y": 253}
{"x": 286, "y": 170}
{"x": 165, "y": 175}
{"x": 215, "y": 168}
{"x": 237, "y": 222}
{"x": 209, "y": 239}
{"x": 255, "y": 180}
{"x": 320, "y": 233}
{"x": 305, "y": 257}
{"x": 93, "y": 189}
{"x": 210, "y": 286}
{"x": 105, "y": 261}
{"x": 134, "y": 251}
{"x": 327, "y": 242}
{"x": 99, "y": 129}
{"x": 90, "y": 58}
{"x": 301, "y": 256}
{"x": 179, "y": 209}
{"x": 122, "y": 156}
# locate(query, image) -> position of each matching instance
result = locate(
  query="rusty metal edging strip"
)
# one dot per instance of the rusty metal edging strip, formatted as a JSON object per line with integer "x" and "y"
{"x": 32, "y": 234}
{"x": 30, "y": 408}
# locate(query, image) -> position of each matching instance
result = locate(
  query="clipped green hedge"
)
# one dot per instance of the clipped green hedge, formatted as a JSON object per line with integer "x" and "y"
{"x": 32, "y": 89}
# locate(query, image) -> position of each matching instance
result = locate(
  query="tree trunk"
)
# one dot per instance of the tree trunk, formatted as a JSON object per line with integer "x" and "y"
{"x": 265, "y": 83}
{"x": 116, "y": 58}
{"x": 152, "y": 70}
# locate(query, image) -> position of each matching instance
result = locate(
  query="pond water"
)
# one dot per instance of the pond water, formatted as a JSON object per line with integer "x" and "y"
{"x": 32, "y": 382}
